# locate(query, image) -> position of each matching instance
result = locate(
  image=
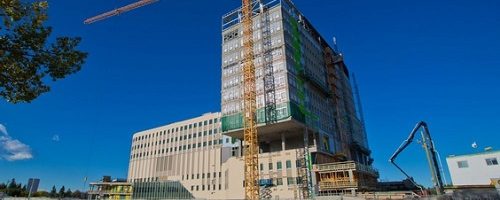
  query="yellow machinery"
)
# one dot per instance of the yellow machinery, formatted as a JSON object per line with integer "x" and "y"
{"x": 251, "y": 150}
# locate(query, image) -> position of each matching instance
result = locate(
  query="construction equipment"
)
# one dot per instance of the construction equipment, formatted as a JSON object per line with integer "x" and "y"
{"x": 267, "y": 55}
{"x": 118, "y": 11}
{"x": 251, "y": 148}
{"x": 430, "y": 151}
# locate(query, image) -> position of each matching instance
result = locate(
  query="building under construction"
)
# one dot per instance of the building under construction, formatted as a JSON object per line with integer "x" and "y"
{"x": 311, "y": 134}
{"x": 305, "y": 102}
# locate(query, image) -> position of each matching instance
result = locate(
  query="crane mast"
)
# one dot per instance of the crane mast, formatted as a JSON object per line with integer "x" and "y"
{"x": 251, "y": 147}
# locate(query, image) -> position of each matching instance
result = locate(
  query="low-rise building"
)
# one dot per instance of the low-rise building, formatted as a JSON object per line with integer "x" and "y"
{"x": 110, "y": 189}
{"x": 474, "y": 169}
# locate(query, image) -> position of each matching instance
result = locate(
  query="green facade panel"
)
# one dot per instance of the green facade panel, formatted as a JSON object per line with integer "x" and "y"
{"x": 284, "y": 111}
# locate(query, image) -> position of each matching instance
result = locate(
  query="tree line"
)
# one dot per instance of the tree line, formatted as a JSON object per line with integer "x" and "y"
{"x": 14, "y": 189}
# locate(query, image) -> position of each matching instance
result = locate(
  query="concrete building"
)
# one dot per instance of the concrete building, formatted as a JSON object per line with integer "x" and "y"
{"x": 190, "y": 151}
{"x": 118, "y": 189}
{"x": 307, "y": 84}
{"x": 33, "y": 184}
{"x": 474, "y": 169}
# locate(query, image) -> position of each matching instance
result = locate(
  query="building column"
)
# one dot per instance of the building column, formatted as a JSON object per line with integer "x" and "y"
{"x": 351, "y": 180}
{"x": 283, "y": 145}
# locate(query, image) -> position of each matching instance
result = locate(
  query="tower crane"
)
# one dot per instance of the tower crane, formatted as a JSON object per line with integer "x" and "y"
{"x": 251, "y": 146}
{"x": 431, "y": 156}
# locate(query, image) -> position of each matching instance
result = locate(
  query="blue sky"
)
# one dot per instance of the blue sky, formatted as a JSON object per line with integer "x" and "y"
{"x": 426, "y": 60}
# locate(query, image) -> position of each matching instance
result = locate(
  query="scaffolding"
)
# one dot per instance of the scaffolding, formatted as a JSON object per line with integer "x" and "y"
{"x": 269, "y": 87}
{"x": 345, "y": 178}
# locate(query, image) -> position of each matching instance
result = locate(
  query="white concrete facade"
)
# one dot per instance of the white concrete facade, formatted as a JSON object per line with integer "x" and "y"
{"x": 474, "y": 169}
{"x": 189, "y": 151}
{"x": 205, "y": 164}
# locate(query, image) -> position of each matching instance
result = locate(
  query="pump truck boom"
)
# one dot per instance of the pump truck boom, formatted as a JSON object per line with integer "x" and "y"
{"x": 430, "y": 151}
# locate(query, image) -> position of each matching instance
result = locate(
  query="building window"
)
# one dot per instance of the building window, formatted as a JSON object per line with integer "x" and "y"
{"x": 491, "y": 161}
{"x": 279, "y": 181}
{"x": 290, "y": 181}
{"x": 278, "y": 165}
{"x": 463, "y": 164}
{"x": 270, "y": 166}
{"x": 261, "y": 166}
{"x": 288, "y": 164}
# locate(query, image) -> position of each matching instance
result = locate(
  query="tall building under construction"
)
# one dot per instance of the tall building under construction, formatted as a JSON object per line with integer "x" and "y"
{"x": 312, "y": 140}
{"x": 305, "y": 100}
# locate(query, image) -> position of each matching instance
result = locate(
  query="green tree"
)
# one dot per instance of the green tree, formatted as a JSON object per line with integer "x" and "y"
{"x": 41, "y": 194}
{"x": 68, "y": 193}
{"x": 53, "y": 192}
{"x": 24, "y": 191}
{"x": 12, "y": 184}
{"x": 28, "y": 57}
{"x": 77, "y": 194}
{"x": 62, "y": 192}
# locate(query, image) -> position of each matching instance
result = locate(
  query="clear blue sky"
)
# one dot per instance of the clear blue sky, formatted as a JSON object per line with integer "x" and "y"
{"x": 415, "y": 60}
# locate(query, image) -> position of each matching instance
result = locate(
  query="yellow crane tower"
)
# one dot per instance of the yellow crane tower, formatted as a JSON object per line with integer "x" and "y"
{"x": 251, "y": 145}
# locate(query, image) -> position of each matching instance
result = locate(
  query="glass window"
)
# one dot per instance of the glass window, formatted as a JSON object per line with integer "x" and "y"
{"x": 463, "y": 164}
{"x": 491, "y": 161}
{"x": 261, "y": 166}
{"x": 279, "y": 181}
{"x": 290, "y": 181}
{"x": 270, "y": 166}
{"x": 278, "y": 165}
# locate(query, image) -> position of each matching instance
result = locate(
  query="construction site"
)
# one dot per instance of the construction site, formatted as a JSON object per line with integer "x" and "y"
{"x": 290, "y": 125}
